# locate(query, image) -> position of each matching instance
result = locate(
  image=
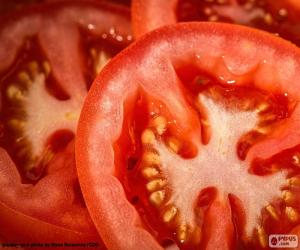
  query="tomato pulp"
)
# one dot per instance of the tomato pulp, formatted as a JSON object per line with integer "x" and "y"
{"x": 278, "y": 17}
{"x": 201, "y": 149}
{"x": 49, "y": 54}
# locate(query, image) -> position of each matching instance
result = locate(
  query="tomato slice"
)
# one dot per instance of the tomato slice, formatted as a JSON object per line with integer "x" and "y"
{"x": 278, "y": 17}
{"x": 49, "y": 55}
{"x": 200, "y": 150}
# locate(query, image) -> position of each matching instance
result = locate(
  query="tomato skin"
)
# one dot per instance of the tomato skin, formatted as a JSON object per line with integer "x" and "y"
{"x": 250, "y": 55}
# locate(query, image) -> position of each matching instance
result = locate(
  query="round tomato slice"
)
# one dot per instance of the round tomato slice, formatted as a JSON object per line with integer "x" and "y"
{"x": 278, "y": 17}
{"x": 201, "y": 149}
{"x": 49, "y": 55}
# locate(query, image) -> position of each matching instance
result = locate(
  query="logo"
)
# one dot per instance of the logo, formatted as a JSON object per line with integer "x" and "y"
{"x": 283, "y": 240}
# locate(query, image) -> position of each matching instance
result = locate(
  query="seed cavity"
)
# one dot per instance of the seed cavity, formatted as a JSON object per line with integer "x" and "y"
{"x": 36, "y": 115}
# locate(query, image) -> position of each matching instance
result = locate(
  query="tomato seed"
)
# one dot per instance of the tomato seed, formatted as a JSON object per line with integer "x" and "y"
{"x": 160, "y": 124}
{"x": 213, "y": 18}
{"x": 157, "y": 197}
{"x": 287, "y": 196}
{"x": 24, "y": 78}
{"x": 150, "y": 172}
{"x": 33, "y": 68}
{"x": 296, "y": 160}
{"x": 292, "y": 214}
{"x": 283, "y": 12}
{"x": 71, "y": 116}
{"x": 294, "y": 181}
{"x": 13, "y": 92}
{"x": 262, "y": 107}
{"x": 16, "y": 124}
{"x": 208, "y": 11}
{"x": 169, "y": 214}
{"x": 155, "y": 185}
{"x": 151, "y": 158}
{"x": 147, "y": 137}
{"x": 174, "y": 144}
{"x": 268, "y": 18}
{"x": 46, "y": 68}
{"x": 100, "y": 59}
{"x": 272, "y": 212}
{"x": 262, "y": 237}
{"x": 182, "y": 233}
{"x": 263, "y": 130}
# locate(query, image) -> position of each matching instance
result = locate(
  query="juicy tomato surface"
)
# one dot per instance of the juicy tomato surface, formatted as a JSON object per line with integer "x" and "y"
{"x": 49, "y": 54}
{"x": 201, "y": 149}
{"x": 279, "y": 17}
